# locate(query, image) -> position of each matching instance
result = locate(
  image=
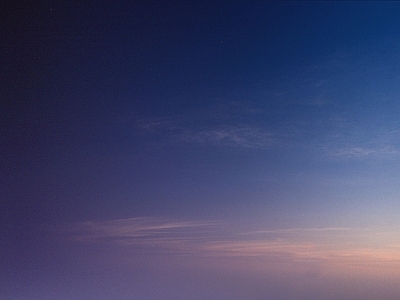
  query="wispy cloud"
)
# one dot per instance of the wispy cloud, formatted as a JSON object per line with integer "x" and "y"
{"x": 356, "y": 144}
{"x": 359, "y": 152}
{"x": 235, "y": 136}
{"x": 243, "y": 137}
{"x": 345, "y": 246}
{"x": 134, "y": 229}
{"x": 345, "y": 139}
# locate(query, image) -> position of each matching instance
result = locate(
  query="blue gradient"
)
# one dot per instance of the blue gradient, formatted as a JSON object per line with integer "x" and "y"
{"x": 206, "y": 150}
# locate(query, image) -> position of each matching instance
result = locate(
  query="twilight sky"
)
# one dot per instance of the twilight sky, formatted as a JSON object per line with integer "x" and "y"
{"x": 200, "y": 150}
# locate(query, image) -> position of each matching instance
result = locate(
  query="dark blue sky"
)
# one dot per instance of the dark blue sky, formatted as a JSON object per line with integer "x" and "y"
{"x": 146, "y": 143}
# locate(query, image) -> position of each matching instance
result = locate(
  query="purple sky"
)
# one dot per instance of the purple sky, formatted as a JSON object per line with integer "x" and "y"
{"x": 205, "y": 150}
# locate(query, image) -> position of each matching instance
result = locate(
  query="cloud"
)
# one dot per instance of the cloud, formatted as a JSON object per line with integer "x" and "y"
{"x": 135, "y": 229}
{"x": 366, "y": 248}
{"x": 235, "y": 136}
{"x": 241, "y": 137}
{"x": 349, "y": 140}
{"x": 359, "y": 152}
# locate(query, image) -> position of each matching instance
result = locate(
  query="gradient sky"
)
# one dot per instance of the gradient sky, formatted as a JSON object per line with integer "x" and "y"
{"x": 200, "y": 150}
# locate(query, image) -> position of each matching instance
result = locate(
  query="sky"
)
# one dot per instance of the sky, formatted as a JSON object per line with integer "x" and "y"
{"x": 200, "y": 150}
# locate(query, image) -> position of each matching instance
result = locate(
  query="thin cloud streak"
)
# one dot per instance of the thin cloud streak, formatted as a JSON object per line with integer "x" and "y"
{"x": 133, "y": 228}
{"x": 244, "y": 136}
{"x": 358, "y": 152}
{"x": 349, "y": 141}
{"x": 339, "y": 140}
{"x": 365, "y": 248}
{"x": 241, "y": 137}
